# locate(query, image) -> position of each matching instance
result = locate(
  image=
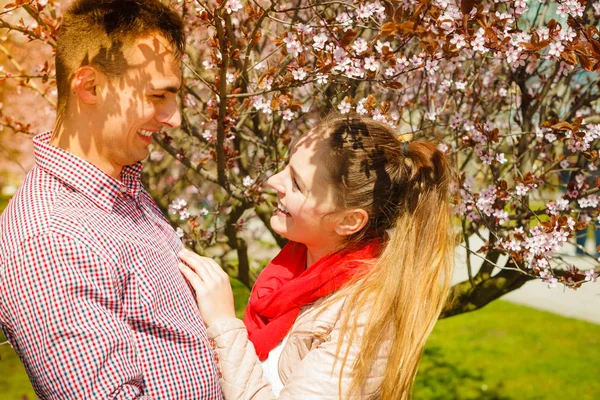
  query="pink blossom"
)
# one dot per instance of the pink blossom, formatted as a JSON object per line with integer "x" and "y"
{"x": 591, "y": 201}
{"x": 556, "y": 208}
{"x": 555, "y": 49}
{"x": 360, "y": 45}
{"x": 572, "y": 7}
{"x": 371, "y": 64}
{"x": 344, "y": 19}
{"x": 299, "y": 74}
{"x": 567, "y": 34}
{"x": 322, "y": 79}
{"x": 344, "y": 107}
{"x": 461, "y": 85}
{"x": 304, "y": 29}
{"x": 319, "y": 41}
{"x": 478, "y": 44}
{"x": 459, "y": 41}
{"x": 548, "y": 279}
{"x": 521, "y": 7}
{"x": 512, "y": 245}
{"x": 360, "y": 107}
{"x": 432, "y": 66}
{"x": 501, "y": 216}
{"x": 233, "y": 5}
{"x": 288, "y": 114}
{"x": 207, "y": 135}
{"x": 431, "y": 116}
{"x": 365, "y": 11}
{"x": 591, "y": 275}
{"x": 261, "y": 104}
{"x": 248, "y": 181}
{"x": 521, "y": 189}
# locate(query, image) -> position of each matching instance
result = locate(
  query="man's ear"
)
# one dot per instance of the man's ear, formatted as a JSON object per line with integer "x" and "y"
{"x": 85, "y": 83}
{"x": 351, "y": 221}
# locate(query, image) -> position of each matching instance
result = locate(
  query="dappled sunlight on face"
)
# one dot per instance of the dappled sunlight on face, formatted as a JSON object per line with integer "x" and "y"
{"x": 139, "y": 102}
{"x": 306, "y": 199}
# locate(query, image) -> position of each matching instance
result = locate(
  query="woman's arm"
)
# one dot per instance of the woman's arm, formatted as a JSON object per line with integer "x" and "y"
{"x": 316, "y": 376}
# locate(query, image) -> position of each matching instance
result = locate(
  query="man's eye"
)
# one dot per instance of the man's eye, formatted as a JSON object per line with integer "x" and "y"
{"x": 159, "y": 96}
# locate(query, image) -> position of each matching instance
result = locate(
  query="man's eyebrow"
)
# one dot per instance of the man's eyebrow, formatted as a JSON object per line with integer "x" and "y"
{"x": 171, "y": 89}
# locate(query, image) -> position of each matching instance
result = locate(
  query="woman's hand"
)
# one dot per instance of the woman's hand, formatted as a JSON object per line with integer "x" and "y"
{"x": 212, "y": 286}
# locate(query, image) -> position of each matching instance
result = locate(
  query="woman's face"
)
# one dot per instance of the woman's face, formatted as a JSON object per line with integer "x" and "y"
{"x": 305, "y": 209}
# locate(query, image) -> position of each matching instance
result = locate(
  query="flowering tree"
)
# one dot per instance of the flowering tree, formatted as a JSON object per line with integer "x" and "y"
{"x": 509, "y": 88}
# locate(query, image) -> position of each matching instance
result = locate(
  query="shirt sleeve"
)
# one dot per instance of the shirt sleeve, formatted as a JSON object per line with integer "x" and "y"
{"x": 62, "y": 312}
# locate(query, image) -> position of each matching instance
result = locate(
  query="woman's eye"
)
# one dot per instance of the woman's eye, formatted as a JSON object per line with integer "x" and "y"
{"x": 295, "y": 183}
{"x": 159, "y": 96}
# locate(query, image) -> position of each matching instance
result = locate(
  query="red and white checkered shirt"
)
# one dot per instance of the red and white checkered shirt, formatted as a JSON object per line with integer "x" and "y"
{"x": 91, "y": 296}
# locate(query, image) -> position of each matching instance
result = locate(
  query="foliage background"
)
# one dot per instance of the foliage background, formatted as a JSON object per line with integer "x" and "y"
{"x": 510, "y": 90}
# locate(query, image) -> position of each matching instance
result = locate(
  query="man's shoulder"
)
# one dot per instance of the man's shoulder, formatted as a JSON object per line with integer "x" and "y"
{"x": 42, "y": 205}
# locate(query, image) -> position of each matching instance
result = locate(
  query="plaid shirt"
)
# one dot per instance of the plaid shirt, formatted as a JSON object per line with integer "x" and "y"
{"x": 91, "y": 296}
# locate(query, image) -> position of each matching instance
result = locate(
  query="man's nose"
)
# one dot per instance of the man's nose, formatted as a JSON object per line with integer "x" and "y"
{"x": 170, "y": 115}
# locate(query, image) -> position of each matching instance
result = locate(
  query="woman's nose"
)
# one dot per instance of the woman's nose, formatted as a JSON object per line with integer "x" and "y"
{"x": 276, "y": 183}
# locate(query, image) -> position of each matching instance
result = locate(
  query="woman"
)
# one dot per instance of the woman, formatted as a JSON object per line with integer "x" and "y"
{"x": 345, "y": 309}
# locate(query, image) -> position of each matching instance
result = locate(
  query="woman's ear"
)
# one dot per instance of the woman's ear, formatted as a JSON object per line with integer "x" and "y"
{"x": 351, "y": 221}
{"x": 85, "y": 82}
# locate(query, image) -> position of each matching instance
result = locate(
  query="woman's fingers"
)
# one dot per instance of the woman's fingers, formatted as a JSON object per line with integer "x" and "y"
{"x": 213, "y": 289}
{"x": 193, "y": 278}
{"x": 204, "y": 266}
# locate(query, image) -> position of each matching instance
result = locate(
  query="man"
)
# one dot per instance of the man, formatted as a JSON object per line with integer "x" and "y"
{"x": 92, "y": 298}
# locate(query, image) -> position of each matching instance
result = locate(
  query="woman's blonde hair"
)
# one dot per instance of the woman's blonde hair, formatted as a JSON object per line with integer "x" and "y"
{"x": 404, "y": 187}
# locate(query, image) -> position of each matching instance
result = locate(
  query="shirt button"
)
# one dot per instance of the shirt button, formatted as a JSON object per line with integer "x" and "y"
{"x": 123, "y": 189}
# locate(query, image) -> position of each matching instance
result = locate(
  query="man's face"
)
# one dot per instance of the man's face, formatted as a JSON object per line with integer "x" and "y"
{"x": 138, "y": 103}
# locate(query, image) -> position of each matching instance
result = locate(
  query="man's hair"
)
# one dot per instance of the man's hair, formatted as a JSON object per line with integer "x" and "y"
{"x": 97, "y": 32}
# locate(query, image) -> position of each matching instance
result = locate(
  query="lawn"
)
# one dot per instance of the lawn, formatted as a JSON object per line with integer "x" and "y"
{"x": 506, "y": 351}
{"x": 502, "y": 352}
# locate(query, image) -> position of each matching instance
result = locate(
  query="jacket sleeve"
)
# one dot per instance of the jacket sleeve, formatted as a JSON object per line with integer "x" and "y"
{"x": 315, "y": 377}
{"x": 62, "y": 312}
{"x": 240, "y": 369}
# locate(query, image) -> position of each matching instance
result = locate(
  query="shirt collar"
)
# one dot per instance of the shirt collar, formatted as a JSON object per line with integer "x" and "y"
{"x": 96, "y": 185}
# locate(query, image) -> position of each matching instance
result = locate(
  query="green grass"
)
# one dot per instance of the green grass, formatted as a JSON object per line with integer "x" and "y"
{"x": 14, "y": 383}
{"x": 506, "y": 351}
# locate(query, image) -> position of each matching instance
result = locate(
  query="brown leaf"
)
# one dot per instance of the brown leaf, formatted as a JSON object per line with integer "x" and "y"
{"x": 406, "y": 27}
{"x": 394, "y": 85}
{"x": 348, "y": 37}
{"x": 569, "y": 57}
{"x": 562, "y": 126}
{"x": 596, "y": 47}
{"x": 467, "y": 5}
{"x": 388, "y": 29}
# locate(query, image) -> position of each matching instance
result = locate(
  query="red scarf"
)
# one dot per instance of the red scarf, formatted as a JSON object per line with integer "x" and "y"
{"x": 286, "y": 285}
